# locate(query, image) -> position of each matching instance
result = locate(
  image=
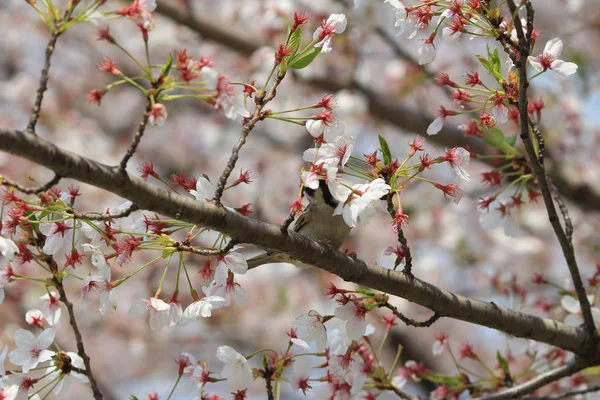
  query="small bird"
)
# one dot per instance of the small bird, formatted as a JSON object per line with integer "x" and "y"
{"x": 316, "y": 222}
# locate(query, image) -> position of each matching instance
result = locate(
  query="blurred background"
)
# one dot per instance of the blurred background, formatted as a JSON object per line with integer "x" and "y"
{"x": 379, "y": 89}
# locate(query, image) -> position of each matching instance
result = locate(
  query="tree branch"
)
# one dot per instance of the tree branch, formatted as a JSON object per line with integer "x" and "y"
{"x": 42, "y": 188}
{"x": 538, "y": 168}
{"x": 137, "y": 138}
{"x": 248, "y": 230}
{"x": 566, "y": 395}
{"x": 78, "y": 338}
{"x": 37, "y": 105}
{"x": 517, "y": 392}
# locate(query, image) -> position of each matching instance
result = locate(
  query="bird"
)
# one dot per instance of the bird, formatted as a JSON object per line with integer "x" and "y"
{"x": 316, "y": 222}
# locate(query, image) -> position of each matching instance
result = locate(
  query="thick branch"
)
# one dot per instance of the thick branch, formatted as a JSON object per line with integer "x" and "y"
{"x": 380, "y": 107}
{"x": 566, "y": 395}
{"x": 247, "y": 230}
{"x": 42, "y": 188}
{"x": 519, "y": 391}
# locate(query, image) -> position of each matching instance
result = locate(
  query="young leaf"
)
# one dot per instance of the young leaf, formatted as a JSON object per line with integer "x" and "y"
{"x": 503, "y": 363}
{"x": 306, "y": 57}
{"x": 294, "y": 42}
{"x": 385, "y": 151}
{"x": 495, "y": 138}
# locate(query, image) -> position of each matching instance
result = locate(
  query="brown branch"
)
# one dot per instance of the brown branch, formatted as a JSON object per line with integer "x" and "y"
{"x": 42, "y": 188}
{"x": 401, "y": 237}
{"x": 260, "y": 101}
{"x": 137, "y": 138}
{"x": 78, "y": 338}
{"x": 538, "y": 169}
{"x": 37, "y": 106}
{"x": 206, "y": 252}
{"x": 380, "y": 107}
{"x": 519, "y": 391}
{"x": 410, "y": 321}
{"x": 267, "y": 235}
{"x": 269, "y": 383}
{"x": 566, "y": 395}
{"x": 402, "y": 394}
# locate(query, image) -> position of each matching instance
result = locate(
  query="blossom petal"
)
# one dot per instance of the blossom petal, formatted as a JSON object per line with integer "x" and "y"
{"x": 563, "y": 68}
{"x": 554, "y": 48}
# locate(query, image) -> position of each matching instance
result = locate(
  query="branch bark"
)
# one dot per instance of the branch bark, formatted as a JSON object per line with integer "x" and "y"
{"x": 244, "y": 229}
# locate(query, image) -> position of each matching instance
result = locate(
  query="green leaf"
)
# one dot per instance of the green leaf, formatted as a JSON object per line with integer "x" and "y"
{"x": 440, "y": 379}
{"x": 167, "y": 67}
{"x": 294, "y": 42}
{"x": 385, "y": 151}
{"x": 503, "y": 363}
{"x": 306, "y": 57}
{"x": 132, "y": 397}
{"x": 512, "y": 139}
{"x": 495, "y": 138}
{"x": 492, "y": 64}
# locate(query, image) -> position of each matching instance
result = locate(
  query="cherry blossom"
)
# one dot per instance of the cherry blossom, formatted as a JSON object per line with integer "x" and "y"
{"x": 231, "y": 292}
{"x": 158, "y": 114}
{"x": 9, "y": 392}
{"x": 203, "y": 307}
{"x": 35, "y": 318}
{"x": 301, "y": 371}
{"x": 236, "y": 369}
{"x": 427, "y": 52}
{"x": 458, "y": 158}
{"x": 330, "y": 132}
{"x": 354, "y": 315}
{"x": 310, "y": 327}
{"x": 56, "y": 234}
{"x": 438, "y": 123}
{"x": 573, "y": 307}
{"x": 100, "y": 284}
{"x": 549, "y": 59}
{"x": 140, "y": 12}
{"x": 66, "y": 379}
{"x": 233, "y": 261}
{"x": 2, "y": 359}
{"x": 441, "y": 343}
{"x": 336, "y": 23}
{"x": 497, "y": 214}
{"x": 51, "y": 308}
{"x": 204, "y": 190}
{"x": 98, "y": 259}
{"x": 331, "y": 154}
{"x": 8, "y": 249}
{"x": 157, "y": 308}
{"x": 31, "y": 350}
{"x": 355, "y": 202}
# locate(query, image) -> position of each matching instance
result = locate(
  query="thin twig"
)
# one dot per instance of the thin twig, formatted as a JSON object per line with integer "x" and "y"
{"x": 207, "y": 252}
{"x": 401, "y": 237}
{"x": 402, "y": 394}
{"x": 410, "y": 321}
{"x": 79, "y": 339}
{"x": 37, "y": 106}
{"x": 519, "y": 391}
{"x": 137, "y": 138}
{"x": 564, "y": 212}
{"x": 538, "y": 169}
{"x": 42, "y": 188}
{"x": 235, "y": 152}
{"x": 106, "y": 217}
{"x": 566, "y": 395}
{"x": 535, "y": 129}
{"x": 269, "y": 383}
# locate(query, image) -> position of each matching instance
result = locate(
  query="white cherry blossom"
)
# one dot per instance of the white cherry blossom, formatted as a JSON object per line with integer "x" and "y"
{"x": 236, "y": 369}
{"x": 31, "y": 350}
{"x": 336, "y": 23}
{"x": 549, "y": 59}
{"x": 157, "y": 308}
{"x": 233, "y": 261}
{"x": 8, "y": 249}
{"x": 310, "y": 327}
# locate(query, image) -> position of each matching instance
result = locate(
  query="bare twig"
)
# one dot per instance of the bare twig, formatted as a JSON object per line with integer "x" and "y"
{"x": 401, "y": 238}
{"x": 410, "y": 321}
{"x": 207, "y": 252}
{"x": 519, "y": 391}
{"x": 538, "y": 169}
{"x": 266, "y": 235}
{"x": 42, "y": 188}
{"x": 106, "y": 217}
{"x": 564, "y": 212}
{"x": 269, "y": 383}
{"x": 566, "y": 395}
{"x": 37, "y": 106}
{"x": 137, "y": 138}
{"x": 235, "y": 152}
{"x": 79, "y": 339}
{"x": 402, "y": 394}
